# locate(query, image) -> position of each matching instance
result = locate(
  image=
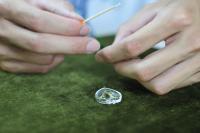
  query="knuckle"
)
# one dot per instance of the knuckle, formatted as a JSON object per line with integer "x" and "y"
{"x": 125, "y": 28}
{"x": 181, "y": 19}
{"x": 142, "y": 74}
{"x": 35, "y": 44}
{"x": 132, "y": 49}
{"x": 35, "y": 23}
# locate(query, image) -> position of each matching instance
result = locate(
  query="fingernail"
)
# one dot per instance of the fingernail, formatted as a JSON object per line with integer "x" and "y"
{"x": 84, "y": 30}
{"x": 93, "y": 46}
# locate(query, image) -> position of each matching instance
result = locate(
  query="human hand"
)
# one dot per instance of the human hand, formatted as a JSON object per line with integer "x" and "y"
{"x": 36, "y": 34}
{"x": 177, "y": 65}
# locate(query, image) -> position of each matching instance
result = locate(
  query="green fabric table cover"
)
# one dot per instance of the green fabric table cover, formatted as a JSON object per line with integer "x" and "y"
{"x": 63, "y": 101}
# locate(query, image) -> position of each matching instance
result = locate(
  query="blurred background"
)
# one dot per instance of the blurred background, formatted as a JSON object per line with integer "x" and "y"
{"x": 108, "y": 24}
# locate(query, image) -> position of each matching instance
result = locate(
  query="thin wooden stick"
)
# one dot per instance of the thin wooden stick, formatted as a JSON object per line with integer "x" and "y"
{"x": 102, "y": 12}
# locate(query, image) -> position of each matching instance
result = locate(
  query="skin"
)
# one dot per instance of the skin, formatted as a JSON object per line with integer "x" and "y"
{"x": 177, "y": 65}
{"x": 36, "y": 34}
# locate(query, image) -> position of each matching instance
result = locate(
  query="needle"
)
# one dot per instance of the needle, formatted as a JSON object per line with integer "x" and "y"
{"x": 101, "y": 13}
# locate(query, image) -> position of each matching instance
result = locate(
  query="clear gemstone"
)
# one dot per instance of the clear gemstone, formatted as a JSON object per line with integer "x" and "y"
{"x": 108, "y": 96}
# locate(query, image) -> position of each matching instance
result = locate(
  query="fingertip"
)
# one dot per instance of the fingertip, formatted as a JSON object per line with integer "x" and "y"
{"x": 57, "y": 60}
{"x": 92, "y": 46}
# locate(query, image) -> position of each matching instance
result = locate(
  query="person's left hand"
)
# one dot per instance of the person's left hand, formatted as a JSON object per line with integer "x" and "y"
{"x": 35, "y": 35}
{"x": 175, "y": 66}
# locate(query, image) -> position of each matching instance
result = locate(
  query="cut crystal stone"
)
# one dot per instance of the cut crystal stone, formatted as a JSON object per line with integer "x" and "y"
{"x": 108, "y": 96}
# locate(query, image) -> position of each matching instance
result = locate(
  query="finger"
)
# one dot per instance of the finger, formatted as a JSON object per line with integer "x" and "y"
{"x": 174, "y": 77}
{"x": 42, "y": 21}
{"x": 60, "y": 7}
{"x": 47, "y": 43}
{"x": 129, "y": 68}
{"x": 160, "y": 61}
{"x": 164, "y": 82}
{"x": 156, "y": 31}
{"x": 67, "y": 45}
{"x": 140, "y": 20}
{"x": 23, "y": 67}
{"x": 190, "y": 81}
{"x": 8, "y": 52}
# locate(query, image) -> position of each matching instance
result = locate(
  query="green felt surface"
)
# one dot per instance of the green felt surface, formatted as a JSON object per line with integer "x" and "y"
{"x": 63, "y": 101}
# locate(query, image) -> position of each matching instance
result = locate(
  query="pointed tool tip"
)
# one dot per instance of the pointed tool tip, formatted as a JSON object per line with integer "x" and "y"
{"x": 82, "y": 22}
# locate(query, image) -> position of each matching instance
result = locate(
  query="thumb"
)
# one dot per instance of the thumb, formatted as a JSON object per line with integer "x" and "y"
{"x": 60, "y": 7}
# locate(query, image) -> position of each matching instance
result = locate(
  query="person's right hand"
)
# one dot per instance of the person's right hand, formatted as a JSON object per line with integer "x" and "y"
{"x": 177, "y": 22}
{"x": 36, "y": 34}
